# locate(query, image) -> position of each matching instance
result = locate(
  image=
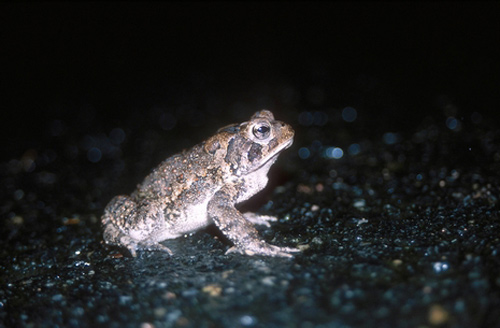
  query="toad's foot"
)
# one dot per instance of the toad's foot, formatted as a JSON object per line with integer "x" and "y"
{"x": 133, "y": 246}
{"x": 154, "y": 247}
{"x": 263, "y": 248}
{"x": 259, "y": 219}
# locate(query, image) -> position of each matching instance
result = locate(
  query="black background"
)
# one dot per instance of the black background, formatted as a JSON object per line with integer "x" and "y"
{"x": 396, "y": 61}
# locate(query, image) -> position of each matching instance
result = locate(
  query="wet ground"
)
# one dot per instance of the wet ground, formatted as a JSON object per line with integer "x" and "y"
{"x": 394, "y": 202}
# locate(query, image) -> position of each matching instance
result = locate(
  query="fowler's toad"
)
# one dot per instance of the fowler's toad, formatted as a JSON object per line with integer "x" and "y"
{"x": 200, "y": 186}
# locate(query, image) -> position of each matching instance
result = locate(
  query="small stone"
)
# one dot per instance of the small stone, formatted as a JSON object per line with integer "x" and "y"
{"x": 212, "y": 290}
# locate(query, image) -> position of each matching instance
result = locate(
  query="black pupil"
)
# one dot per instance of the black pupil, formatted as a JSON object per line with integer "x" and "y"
{"x": 263, "y": 129}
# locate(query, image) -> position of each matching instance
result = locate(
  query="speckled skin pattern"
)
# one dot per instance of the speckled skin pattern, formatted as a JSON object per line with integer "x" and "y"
{"x": 200, "y": 186}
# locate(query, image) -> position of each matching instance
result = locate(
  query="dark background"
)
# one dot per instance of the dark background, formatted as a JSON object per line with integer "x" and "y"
{"x": 81, "y": 66}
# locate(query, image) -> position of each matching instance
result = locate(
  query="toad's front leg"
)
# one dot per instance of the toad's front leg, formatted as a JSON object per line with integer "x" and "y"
{"x": 239, "y": 230}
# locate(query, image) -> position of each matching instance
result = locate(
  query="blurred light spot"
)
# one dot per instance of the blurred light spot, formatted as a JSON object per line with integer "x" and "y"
{"x": 360, "y": 203}
{"x": 94, "y": 155}
{"x": 305, "y": 118}
{"x": 349, "y": 114}
{"x": 57, "y": 297}
{"x": 117, "y": 136}
{"x": 452, "y": 123}
{"x": 17, "y": 220}
{"x": 440, "y": 266}
{"x": 29, "y": 165}
{"x": 248, "y": 320}
{"x": 334, "y": 152}
{"x": 357, "y": 191}
{"x": 390, "y": 138}
{"x": 454, "y": 175}
{"x": 419, "y": 177}
{"x": 362, "y": 221}
{"x": 304, "y": 153}
{"x": 354, "y": 149}
{"x": 18, "y": 194}
{"x": 339, "y": 186}
{"x": 476, "y": 118}
{"x": 28, "y": 160}
{"x": 438, "y": 316}
{"x": 167, "y": 121}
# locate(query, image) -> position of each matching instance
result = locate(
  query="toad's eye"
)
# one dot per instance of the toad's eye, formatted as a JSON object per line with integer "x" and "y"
{"x": 261, "y": 131}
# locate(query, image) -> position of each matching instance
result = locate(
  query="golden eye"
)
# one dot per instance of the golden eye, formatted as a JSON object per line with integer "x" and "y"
{"x": 261, "y": 131}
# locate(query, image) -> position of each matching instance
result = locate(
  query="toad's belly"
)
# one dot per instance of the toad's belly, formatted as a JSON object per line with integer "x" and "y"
{"x": 192, "y": 218}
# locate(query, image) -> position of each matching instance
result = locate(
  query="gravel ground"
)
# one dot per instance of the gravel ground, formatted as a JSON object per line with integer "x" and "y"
{"x": 397, "y": 232}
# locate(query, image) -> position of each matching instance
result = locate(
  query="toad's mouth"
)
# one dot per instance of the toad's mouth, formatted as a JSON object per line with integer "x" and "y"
{"x": 272, "y": 156}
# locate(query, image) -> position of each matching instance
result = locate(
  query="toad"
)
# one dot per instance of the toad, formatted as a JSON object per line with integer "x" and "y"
{"x": 201, "y": 186}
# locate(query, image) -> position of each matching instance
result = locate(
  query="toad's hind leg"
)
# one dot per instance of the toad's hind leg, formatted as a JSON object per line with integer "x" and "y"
{"x": 121, "y": 227}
